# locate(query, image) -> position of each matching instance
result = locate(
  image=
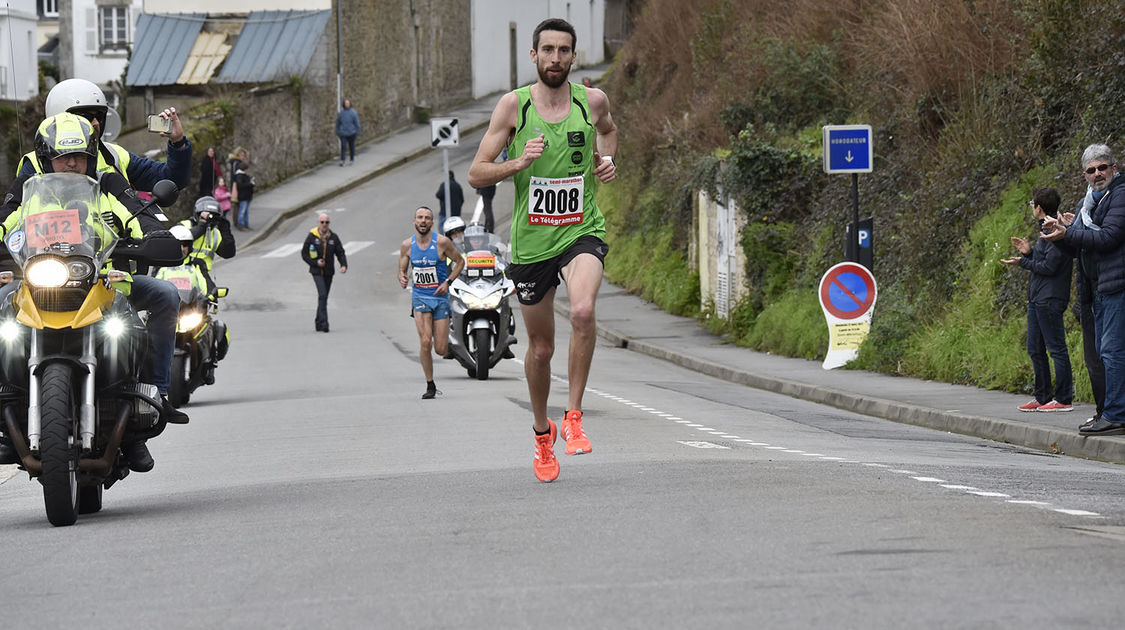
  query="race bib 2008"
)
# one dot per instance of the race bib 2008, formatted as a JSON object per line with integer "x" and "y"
{"x": 555, "y": 201}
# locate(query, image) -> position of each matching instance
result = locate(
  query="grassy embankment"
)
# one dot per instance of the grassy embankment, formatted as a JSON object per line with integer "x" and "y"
{"x": 973, "y": 104}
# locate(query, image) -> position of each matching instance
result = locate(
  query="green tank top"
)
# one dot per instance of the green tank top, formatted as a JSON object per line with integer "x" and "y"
{"x": 555, "y": 195}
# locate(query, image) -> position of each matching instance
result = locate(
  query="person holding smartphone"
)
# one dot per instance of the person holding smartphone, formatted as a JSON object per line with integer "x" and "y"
{"x": 1048, "y": 292}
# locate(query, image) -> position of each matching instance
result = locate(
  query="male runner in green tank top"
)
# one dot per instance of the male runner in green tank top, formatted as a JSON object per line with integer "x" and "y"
{"x": 560, "y": 140}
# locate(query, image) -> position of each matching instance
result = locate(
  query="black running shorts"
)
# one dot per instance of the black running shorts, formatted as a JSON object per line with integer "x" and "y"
{"x": 535, "y": 280}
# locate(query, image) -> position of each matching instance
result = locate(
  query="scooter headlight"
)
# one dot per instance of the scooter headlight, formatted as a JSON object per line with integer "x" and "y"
{"x": 487, "y": 303}
{"x": 47, "y": 272}
{"x": 189, "y": 321}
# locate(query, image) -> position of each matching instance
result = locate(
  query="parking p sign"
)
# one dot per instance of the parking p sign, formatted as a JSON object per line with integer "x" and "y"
{"x": 847, "y": 149}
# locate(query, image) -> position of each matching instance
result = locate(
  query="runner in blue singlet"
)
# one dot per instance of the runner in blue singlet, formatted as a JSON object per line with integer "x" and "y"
{"x": 424, "y": 255}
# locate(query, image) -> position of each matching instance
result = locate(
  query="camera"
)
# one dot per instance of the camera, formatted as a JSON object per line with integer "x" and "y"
{"x": 156, "y": 124}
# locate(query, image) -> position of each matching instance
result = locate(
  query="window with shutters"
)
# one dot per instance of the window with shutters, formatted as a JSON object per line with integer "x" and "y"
{"x": 113, "y": 28}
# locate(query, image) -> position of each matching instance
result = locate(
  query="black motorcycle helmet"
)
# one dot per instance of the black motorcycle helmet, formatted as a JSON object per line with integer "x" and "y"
{"x": 63, "y": 134}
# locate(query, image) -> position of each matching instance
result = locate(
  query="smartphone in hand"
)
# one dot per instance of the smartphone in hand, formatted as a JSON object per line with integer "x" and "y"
{"x": 156, "y": 124}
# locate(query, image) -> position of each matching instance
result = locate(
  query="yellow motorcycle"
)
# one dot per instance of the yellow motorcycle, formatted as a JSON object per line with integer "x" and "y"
{"x": 71, "y": 346}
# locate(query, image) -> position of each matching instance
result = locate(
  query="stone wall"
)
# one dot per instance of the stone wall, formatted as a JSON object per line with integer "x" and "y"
{"x": 396, "y": 63}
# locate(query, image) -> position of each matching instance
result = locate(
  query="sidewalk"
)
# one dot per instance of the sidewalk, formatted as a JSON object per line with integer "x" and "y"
{"x": 629, "y": 322}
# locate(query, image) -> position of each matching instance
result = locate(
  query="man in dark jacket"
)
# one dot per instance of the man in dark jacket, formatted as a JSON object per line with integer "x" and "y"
{"x": 1098, "y": 233}
{"x": 456, "y": 199}
{"x": 321, "y": 250}
{"x": 1048, "y": 292}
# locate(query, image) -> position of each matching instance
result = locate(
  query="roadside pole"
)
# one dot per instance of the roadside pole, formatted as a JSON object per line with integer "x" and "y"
{"x": 847, "y": 291}
{"x": 445, "y": 133}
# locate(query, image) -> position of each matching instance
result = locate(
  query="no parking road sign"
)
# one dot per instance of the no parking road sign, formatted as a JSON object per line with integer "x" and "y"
{"x": 847, "y": 297}
{"x": 444, "y": 132}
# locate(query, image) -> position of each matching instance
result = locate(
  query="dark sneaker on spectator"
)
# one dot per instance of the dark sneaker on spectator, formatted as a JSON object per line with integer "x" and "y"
{"x": 1054, "y": 405}
{"x": 1089, "y": 422}
{"x": 1101, "y": 426}
{"x": 1030, "y": 406}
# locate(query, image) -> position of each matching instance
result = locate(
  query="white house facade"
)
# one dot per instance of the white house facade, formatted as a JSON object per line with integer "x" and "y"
{"x": 19, "y": 66}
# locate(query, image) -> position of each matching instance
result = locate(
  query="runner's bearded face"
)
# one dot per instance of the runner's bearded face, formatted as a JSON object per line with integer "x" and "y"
{"x": 423, "y": 221}
{"x": 554, "y": 58}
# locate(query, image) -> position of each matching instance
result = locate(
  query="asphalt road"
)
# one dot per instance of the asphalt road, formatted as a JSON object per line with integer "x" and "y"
{"x": 314, "y": 487}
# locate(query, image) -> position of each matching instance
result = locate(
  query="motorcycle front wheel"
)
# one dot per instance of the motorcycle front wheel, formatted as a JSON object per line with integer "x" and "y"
{"x": 57, "y": 446}
{"x": 178, "y": 387}
{"x": 482, "y": 339}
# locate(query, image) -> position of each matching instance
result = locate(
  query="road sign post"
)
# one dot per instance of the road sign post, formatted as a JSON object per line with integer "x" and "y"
{"x": 847, "y": 297}
{"x": 444, "y": 133}
{"x": 847, "y": 149}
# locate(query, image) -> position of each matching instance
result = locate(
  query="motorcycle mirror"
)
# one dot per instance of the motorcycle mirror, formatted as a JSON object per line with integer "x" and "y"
{"x": 112, "y": 125}
{"x": 165, "y": 193}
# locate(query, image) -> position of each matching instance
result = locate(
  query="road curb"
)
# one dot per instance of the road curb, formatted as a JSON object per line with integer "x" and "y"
{"x": 289, "y": 213}
{"x": 1049, "y": 439}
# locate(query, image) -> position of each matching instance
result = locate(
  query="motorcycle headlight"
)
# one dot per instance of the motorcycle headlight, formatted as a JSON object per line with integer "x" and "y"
{"x": 79, "y": 269}
{"x": 47, "y": 272}
{"x": 487, "y": 303}
{"x": 9, "y": 330}
{"x": 189, "y": 321}
{"x": 114, "y": 327}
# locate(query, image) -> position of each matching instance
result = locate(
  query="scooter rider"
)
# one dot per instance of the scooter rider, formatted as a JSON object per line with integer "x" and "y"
{"x": 84, "y": 98}
{"x": 65, "y": 143}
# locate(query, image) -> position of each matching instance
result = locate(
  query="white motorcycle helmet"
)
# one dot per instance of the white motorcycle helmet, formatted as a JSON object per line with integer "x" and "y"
{"x": 182, "y": 234}
{"x": 451, "y": 224}
{"x": 82, "y": 97}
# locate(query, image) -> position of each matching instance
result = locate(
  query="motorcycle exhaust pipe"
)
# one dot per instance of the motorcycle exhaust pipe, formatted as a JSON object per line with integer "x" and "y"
{"x": 100, "y": 466}
{"x": 32, "y": 465}
{"x": 104, "y": 464}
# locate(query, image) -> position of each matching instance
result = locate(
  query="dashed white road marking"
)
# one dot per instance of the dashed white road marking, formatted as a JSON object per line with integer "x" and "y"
{"x": 282, "y": 251}
{"x": 827, "y": 458}
{"x": 352, "y": 247}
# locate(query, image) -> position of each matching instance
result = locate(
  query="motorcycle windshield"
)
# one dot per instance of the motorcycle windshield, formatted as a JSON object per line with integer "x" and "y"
{"x": 60, "y": 216}
{"x": 483, "y": 252}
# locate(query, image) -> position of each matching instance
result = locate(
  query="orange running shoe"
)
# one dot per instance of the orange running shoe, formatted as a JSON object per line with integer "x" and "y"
{"x": 576, "y": 441}
{"x": 546, "y": 464}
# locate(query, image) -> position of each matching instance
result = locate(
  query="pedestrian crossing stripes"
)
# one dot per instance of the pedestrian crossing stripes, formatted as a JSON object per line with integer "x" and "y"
{"x": 290, "y": 249}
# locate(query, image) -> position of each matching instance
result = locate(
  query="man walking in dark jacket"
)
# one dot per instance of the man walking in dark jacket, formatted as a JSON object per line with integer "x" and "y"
{"x": 456, "y": 199}
{"x": 1048, "y": 292}
{"x": 1098, "y": 233}
{"x": 347, "y": 128}
{"x": 321, "y": 250}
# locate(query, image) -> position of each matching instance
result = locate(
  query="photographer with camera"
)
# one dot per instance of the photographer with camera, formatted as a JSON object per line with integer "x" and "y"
{"x": 211, "y": 231}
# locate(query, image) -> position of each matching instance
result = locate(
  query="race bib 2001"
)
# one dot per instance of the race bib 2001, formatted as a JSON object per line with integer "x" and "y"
{"x": 555, "y": 201}
{"x": 425, "y": 277}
